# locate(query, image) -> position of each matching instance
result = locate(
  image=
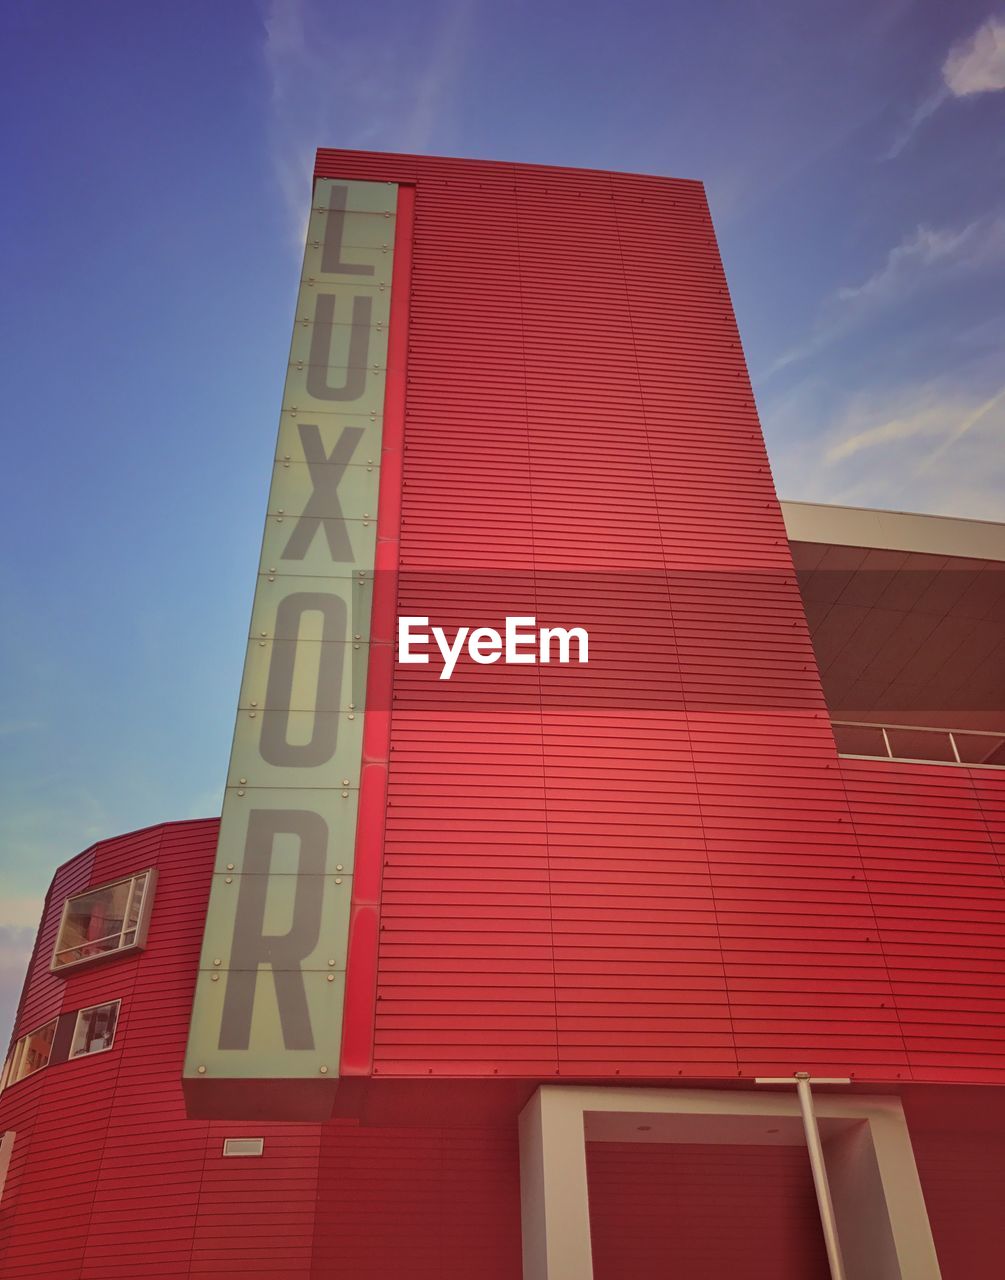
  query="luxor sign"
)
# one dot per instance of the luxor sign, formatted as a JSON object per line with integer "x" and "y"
{"x": 268, "y": 1002}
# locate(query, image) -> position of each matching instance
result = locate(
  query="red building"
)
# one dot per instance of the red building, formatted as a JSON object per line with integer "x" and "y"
{"x": 480, "y": 977}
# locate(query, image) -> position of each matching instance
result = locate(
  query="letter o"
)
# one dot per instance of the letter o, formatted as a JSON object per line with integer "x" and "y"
{"x": 274, "y": 745}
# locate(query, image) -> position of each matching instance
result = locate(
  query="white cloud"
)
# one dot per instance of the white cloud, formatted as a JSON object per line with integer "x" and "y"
{"x": 977, "y": 64}
{"x": 978, "y": 244}
{"x": 15, "y": 951}
{"x": 926, "y": 416}
{"x": 438, "y": 76}
{"x": 332, "y": 85}
{"x": 926, "y": 258}
{"x": 987, "y": 413}
{"x": 922, "y": 111}
{"x": 931, "y": 447}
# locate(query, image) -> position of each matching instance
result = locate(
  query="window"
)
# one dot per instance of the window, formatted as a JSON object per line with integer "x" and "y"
{"x": 103, "y": 921}
{"x": 94, "y": 1030}
{"x": 859, "y": 739}
{"x": 921, "y": 744}
{"x": 6, "y": 1150}
{"x": 75, "y": 1034}
{"x": 30, "y": 1054}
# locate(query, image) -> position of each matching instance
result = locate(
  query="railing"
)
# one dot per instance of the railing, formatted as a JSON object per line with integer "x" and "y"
{"x": 917, "y": 744}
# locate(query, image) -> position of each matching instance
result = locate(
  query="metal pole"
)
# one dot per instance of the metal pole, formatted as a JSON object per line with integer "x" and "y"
{"x": 820, "y": 1183}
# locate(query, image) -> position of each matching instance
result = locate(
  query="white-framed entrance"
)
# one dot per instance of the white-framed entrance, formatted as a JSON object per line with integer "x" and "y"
{"x": 877, "y": 1198}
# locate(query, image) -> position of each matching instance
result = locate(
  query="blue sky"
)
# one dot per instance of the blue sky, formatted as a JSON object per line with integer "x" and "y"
{"x": 157, "y": 162}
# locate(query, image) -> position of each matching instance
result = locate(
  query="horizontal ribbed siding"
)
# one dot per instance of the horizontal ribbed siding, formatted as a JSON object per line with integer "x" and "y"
{"x": 109, "y": 1178}
{"x": 426, "y": 1204}
{"x": 645, "y": 868}
{"x": 932, "y": 856}
{"x": 958, "y": 1138}
{"x": 102, "y": 1156}
{"x": 704, "y": 1212}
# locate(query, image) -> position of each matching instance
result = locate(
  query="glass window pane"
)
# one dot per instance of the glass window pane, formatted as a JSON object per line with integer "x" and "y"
{"x": 859, "y": 740}
{"x": 93, "y": 922}
{"x": 980, "y": 748}
{"x": 921, "y": 744}
{"x": 101, "y": 921}
{"x": 135, "y": 903}
{"x": 33, "y": 1051}
{"x": 95, "y": 1029}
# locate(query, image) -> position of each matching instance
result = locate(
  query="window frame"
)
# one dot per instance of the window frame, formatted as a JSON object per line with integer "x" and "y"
{"x": 7, "y": 1137}
{"x": 11, "y": 1071}
{"x": 102, "y": 1004}
{"x": 139, "y": 931}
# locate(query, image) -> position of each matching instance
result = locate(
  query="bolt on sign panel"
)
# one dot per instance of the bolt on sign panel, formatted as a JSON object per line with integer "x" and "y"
{"x": 269, "y": 994}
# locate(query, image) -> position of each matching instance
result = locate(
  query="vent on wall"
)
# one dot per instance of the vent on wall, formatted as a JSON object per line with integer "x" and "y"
{"x": 243, "y": 1146}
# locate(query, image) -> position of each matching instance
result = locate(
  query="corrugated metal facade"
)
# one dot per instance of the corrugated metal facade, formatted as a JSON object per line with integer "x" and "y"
{"x": 703, "y": 1212}
{"x": 569, "y": 887}
{"x": 573, "y": 874}
{"x": 110, "y": 1178}
{"x": 101, "y": 1154}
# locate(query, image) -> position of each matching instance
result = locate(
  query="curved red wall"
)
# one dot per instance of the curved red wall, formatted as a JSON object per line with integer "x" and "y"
{"x": 110, "y": 1179}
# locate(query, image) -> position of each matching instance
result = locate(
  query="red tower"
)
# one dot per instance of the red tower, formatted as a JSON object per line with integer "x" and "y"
{"x": 483, "y": 976}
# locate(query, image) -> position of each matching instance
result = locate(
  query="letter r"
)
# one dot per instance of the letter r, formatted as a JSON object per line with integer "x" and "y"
{"x": 283, "y": 952}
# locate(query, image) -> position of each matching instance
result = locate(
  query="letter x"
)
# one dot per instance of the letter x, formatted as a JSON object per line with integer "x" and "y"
{"x": 323, "y": 508}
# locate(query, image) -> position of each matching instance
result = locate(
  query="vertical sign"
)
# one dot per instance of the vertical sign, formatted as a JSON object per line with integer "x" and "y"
{"x": 268, "y": 1001}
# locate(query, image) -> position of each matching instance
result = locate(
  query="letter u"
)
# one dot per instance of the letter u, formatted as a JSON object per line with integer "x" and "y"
{"x": 320, "y": 359}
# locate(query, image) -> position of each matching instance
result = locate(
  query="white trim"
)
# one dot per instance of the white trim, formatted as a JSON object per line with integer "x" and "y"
{"x": 554, "y": 1200}
{"x": 885, "y": 1229}
{"x": 894, "y": 531}
{"x": 955, "y": 763}
{"x": 937, "y": 764}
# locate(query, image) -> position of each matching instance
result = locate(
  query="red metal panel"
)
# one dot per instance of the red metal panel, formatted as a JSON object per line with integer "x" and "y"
{"x": 109, "y": 1177}
{"x": 958, "y": 1137}
{"x": 421, "y": 1203}
{"x": 604, "y": 873}
{"x": 361, "y": 977}
{"x": 926, "y": 836}
{"x": 704, "y": 1212}
{"x": 105, "y": 1129}
{"x": 256, "y": 1216}
{"x": 146, "y": 1142}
